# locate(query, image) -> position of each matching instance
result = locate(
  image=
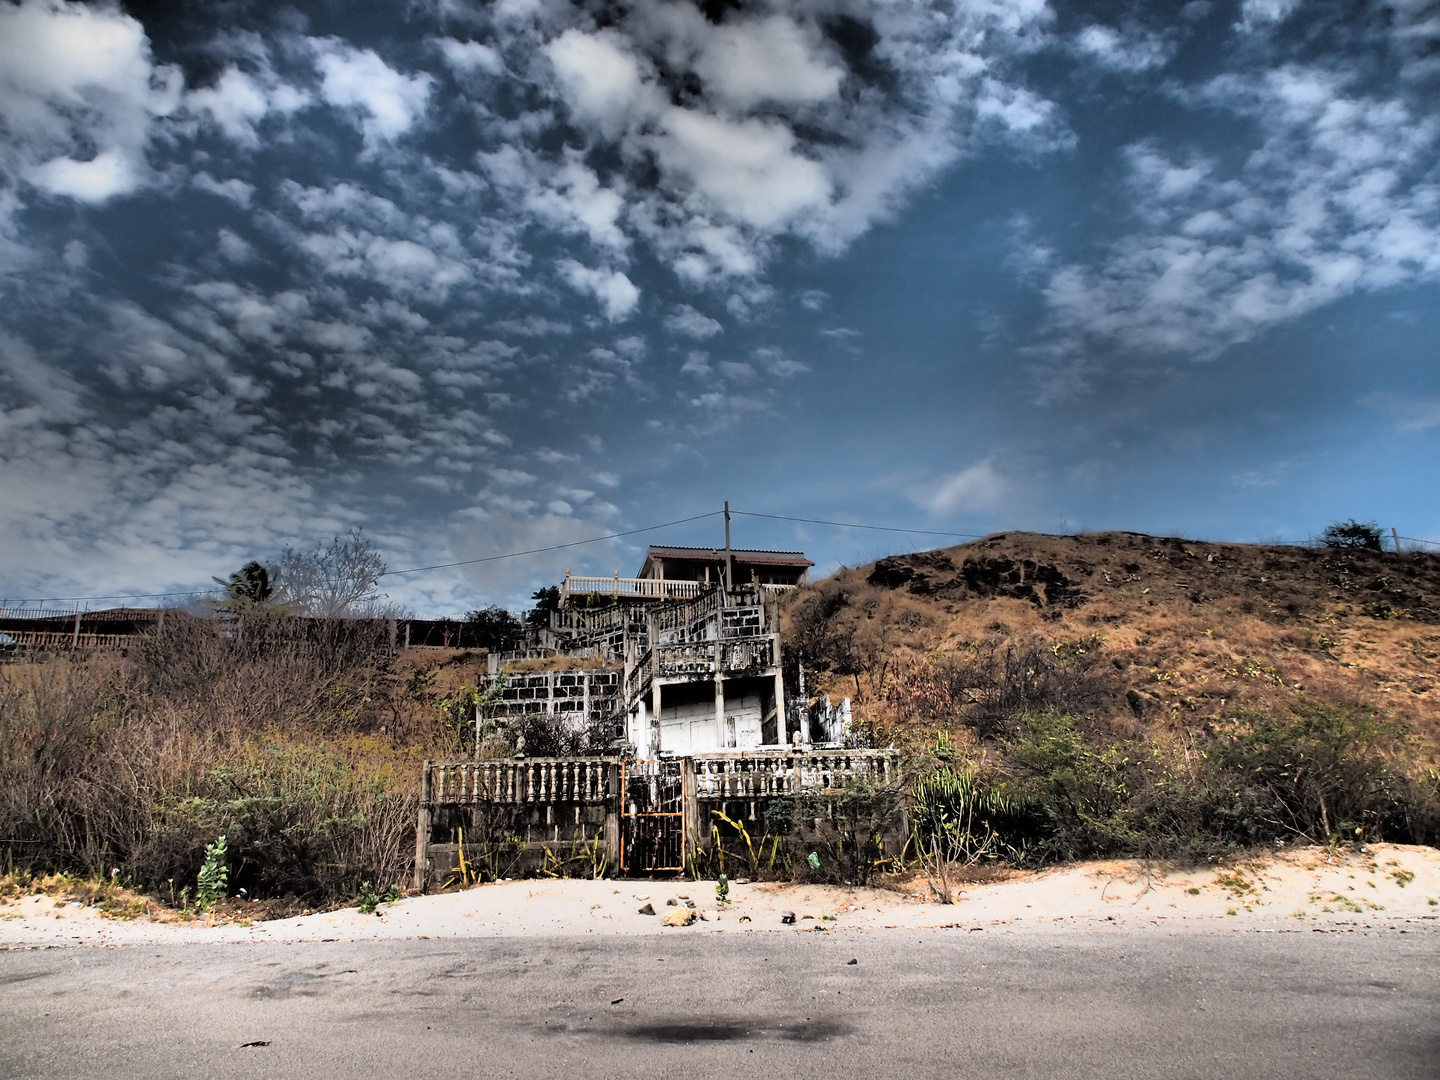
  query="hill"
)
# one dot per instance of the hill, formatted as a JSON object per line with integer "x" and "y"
{"x": 1151, "y": 665}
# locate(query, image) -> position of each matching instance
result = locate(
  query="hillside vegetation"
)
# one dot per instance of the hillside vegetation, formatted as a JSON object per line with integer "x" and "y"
{"x": 1115, "y": 693}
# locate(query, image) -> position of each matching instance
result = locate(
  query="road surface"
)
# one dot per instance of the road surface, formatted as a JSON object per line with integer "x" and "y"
{"x": 938, "y": 1003}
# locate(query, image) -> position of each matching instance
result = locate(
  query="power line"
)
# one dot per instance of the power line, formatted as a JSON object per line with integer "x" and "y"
{"x": 393, "y": 573}
{"x": 116, "y": 596}
{"x": 553, "y": 547}
{"x": 852, "y": 525}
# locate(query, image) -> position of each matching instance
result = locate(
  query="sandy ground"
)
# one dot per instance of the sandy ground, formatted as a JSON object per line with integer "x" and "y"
{"x": 1382, "y": 887}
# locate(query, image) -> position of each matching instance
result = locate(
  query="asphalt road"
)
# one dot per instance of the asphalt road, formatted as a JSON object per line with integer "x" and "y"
{"x": 915, "y": 1004}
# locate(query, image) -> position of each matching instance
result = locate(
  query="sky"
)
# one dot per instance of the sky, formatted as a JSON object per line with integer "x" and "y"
{"x": 481, "y": 278}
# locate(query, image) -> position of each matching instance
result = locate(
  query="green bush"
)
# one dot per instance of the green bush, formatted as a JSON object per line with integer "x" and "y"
{"x": 214, "y": 876}
{"x": 953, "y": 816}
{"x": 1319, "y": 772}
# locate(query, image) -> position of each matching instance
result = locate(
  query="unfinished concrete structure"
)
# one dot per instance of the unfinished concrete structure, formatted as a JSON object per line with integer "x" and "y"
{"x": 676, "y": 678}
{"x": 676, "y": 665}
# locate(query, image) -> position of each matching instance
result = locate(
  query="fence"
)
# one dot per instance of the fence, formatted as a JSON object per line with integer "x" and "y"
{"x": 756, "y": 776}
{"x": 632, "y": 588}
{"x": 540, "y": 806}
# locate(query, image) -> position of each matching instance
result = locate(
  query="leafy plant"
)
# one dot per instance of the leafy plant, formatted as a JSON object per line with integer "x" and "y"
{"x": 369, "y": 900}
{"x": 958, "y": 820}
{"x": 214, "y": 876}
{"x": 722, "y": 890}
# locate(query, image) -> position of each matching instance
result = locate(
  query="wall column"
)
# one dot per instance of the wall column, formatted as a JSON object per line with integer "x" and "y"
{"x": 720, "y": 711}
{"x": 422, "y": 834}
{"x": 781, "y": 733}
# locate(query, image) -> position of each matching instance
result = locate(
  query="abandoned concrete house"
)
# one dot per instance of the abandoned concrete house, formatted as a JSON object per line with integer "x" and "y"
{"x": 682, "y": 673}
{"x": 679, "y": 662}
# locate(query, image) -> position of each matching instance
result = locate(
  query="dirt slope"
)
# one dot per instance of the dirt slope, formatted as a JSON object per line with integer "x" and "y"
{"x": 1169, "y": 629}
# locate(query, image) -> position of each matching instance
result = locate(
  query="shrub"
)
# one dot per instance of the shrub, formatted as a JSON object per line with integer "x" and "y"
{"x": 839, "y": 838}
{"x": 214, "y": 876}
{"x": 263, "y": 729}
{"x": 1321, "y": 771}
{"x": 1353, "y": 534}
{"x": 954, "y": 817}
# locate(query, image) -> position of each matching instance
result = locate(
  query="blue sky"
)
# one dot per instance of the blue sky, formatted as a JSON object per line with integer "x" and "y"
{"x": 489, "y": 277}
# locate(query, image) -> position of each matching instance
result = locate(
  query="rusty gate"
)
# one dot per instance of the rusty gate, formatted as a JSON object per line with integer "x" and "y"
{"x": 652, "y": 816}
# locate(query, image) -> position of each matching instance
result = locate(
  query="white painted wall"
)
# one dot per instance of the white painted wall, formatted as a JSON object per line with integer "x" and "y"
{"x": 690, "y": 728}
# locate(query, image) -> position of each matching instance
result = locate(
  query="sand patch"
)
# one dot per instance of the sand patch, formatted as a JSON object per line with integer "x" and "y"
{"x": 1383, "y": 886}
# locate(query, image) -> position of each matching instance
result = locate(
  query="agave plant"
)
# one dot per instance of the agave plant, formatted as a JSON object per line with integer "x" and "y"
{"x": 961, "y": 820}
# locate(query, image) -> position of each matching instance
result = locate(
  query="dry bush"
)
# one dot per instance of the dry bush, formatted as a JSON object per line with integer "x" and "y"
{"x": 296, "y": 739}
{"x": 1113, "y": 680}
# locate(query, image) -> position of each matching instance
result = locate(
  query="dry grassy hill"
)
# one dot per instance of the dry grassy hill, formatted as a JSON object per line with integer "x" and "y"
{"x": 1176, "y": 658}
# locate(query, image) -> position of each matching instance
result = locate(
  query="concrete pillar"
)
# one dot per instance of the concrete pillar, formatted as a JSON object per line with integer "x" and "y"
{"x": 719, "y": 711}
{"x": 780, "y": 706}
{"x": 655, "y": 718}
{"x": 640, "y": 729}
{"x": 422, "y": 834}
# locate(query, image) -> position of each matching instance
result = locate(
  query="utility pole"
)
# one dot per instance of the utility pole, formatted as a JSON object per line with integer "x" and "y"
{"x": 729, "y": 557}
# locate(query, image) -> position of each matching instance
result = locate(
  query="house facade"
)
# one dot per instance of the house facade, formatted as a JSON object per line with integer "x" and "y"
{"x": 691, "y": 654}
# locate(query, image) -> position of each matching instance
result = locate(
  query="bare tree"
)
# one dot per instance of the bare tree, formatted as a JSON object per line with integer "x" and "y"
{"x": 334, "y": 582}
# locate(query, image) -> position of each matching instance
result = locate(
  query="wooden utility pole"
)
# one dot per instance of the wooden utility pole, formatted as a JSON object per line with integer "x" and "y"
{"x": 729, "y": 557}
{"x": 1395, "y": 533}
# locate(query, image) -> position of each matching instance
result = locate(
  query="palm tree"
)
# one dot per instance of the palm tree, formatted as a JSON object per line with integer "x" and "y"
{"x": 248, "y": 587}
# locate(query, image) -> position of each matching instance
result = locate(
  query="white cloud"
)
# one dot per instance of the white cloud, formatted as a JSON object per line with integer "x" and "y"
{"x": 710, "y": 141}
{"x": 747, "y": 169}
{"x": 778, "y": 364}
{"x": 1410, "y": 412}
{"x": 390, "y": 102}
{"x": 687, "y": 322}
{"x": 1130, "y": 52}
{"x": 974, "y": 488}
{"x": 617, "y": 294}
{"x": 107, "y": 174}
{"x": 572, "y": 199}
{"x": 767, "y": 60}
{"x": 471, "y": 57}
{"x": 79, "y": 95}
{"x": 235, "y": 103}
{"x": 1262, "y": 14}
{"x": 602, "y": 81}
{"x": 234, "y": 248}
{"x": 237, "y": 191}
{"x": 1336, "y": 197}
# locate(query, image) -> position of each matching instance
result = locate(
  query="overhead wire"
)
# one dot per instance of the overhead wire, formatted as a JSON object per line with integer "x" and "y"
{"x": 853, "y": 525}
{"x": 554, "y": 547}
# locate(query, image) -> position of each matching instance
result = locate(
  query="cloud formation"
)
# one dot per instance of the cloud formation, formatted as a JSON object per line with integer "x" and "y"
{"x": 79, "y": 95}
{"x": 1337, "y": 195}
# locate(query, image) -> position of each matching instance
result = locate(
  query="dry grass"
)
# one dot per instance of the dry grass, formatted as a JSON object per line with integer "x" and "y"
{"x": 304, "y": 749}
{"x": 1125, "y": 683}
{"x": 1196, "y": 630}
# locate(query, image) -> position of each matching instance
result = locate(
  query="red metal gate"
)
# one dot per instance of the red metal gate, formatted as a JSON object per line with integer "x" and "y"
{"x": 652, "y": 816}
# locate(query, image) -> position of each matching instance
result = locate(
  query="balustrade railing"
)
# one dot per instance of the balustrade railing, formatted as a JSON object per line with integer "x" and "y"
{"x": 533, "y": 780}
{"x": 735, "y": 654}
{"x": 64, "y": 639}
{"x": 636, "y": 588}
{"x": 767, "y": 774}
